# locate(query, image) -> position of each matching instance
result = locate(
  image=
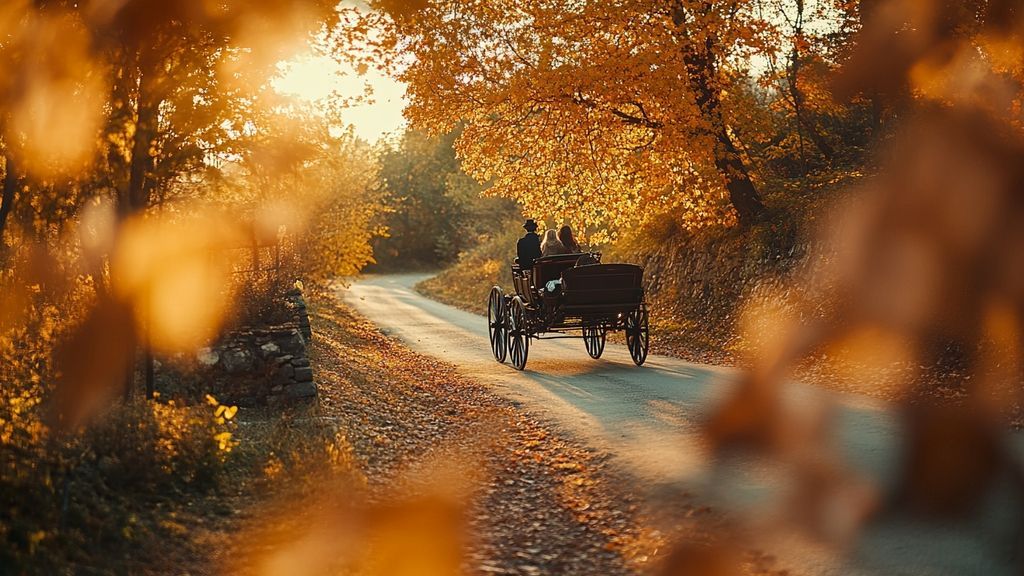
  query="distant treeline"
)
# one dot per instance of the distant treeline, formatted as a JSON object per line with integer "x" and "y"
{"x": 435, "y": 211}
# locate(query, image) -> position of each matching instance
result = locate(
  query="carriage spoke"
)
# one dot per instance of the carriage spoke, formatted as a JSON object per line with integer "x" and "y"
{"x": 594, "y": 340}
{"x": 497, "y": 324}
{"x": 519, "y": 338}
{"x": 638, "y": 335}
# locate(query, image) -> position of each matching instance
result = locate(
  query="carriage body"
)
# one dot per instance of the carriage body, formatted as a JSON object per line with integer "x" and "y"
{"x": 588, "y": 302}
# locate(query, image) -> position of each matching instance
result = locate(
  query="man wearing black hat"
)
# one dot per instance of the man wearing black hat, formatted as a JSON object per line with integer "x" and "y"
{"x": 528, "y": 248}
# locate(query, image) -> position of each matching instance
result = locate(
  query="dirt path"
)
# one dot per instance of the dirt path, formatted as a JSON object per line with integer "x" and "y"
{"x": 647, "y": 419}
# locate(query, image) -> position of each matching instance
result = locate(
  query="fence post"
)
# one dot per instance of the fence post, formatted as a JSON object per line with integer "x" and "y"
{"x": 148, "y": 352}
{"x": 129, "y": 377}
{"x": 255, "y": 251}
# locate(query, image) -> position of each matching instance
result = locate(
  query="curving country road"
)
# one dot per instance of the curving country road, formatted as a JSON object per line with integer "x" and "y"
{"x": 647, "y": 419}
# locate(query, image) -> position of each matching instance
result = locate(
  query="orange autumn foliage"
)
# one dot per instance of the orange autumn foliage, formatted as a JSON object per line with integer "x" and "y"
{"x": 600, "y": 114}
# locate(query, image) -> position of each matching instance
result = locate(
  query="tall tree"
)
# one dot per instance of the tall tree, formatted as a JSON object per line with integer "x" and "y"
{"x": 598, "y": 112}
{"x": 10, "y": 186}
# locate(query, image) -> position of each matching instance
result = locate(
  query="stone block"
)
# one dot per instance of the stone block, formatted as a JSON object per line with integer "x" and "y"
{"x": 269, "y": 350}
{"x": 290, "y": 341}
{"x": 304, "y": 374}
{"x": 286, "y": 371}
{"x": 207, "y": 356}
{"x": 236, "y": 360}
{"x": 302, "y": 390}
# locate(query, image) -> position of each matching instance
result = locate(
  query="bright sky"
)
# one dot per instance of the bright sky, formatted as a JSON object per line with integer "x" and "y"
{"x": 315, "y": 78}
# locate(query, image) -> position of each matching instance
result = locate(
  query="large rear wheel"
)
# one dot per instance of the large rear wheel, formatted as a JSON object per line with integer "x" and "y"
{"x": 497, "y": 324}
{"x": 594, "y": 339}
{"x": 638, "y": 334}
{"x": 518, "y": 333}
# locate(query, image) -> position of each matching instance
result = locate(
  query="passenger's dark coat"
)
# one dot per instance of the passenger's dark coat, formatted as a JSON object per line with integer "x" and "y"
{"x": 528, "y": 249}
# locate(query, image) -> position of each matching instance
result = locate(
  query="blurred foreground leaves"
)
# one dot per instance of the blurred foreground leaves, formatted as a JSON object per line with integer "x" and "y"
{"x": 926, "y": 258}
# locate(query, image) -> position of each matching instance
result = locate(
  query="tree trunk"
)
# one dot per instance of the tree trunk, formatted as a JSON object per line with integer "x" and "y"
{"x": 797, "y": 95}
{"x": 142, "y": 161}
{"x": 136, "y": 197}
{"x": 820, "y": 142}
{"x": 7, "y": 200}
{"x": 701, "y": 71}
{"x": 742, "y": 193}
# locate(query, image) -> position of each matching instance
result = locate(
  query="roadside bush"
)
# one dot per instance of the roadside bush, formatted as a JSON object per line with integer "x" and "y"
{"x": 76, "y": 498}
{"x": 72, "y": 496}
{"x": 155, "y": 447}
{"x": 467, "y": 283}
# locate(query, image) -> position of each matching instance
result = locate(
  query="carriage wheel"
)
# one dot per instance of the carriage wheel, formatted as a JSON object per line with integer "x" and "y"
{"x": 594, "y": 338}
{"x": 497, "y": 324}
{"x": 638, "y": 334}
{"x": 518, "y": 336}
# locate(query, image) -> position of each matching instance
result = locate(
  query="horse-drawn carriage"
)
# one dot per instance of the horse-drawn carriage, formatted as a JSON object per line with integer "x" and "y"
{"x": 558, "y": 298}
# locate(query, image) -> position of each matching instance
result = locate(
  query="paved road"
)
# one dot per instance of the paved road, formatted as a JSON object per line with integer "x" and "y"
{"x": 648, "y": 419}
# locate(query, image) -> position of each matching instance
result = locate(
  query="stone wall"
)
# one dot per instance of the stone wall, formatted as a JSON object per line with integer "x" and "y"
{"x": 264, "y": 365}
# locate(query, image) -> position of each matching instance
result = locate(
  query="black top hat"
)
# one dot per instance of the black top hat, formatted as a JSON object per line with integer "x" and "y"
{"x": 530, "y": 225}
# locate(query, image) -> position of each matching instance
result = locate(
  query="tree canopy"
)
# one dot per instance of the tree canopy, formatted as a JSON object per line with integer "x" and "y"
{"x": 604, "y": 113}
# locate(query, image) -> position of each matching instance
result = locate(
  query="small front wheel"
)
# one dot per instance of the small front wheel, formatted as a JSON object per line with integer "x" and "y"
{"x": 638, "y": 334}
{"x": 497, "y": 324}
{"x": 594, "y": 338}
{"x": 518, "y": 333}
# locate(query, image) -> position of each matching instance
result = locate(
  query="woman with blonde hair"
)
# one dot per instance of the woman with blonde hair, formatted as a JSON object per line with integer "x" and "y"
{"x": 566, "y": 238}
{"x": 551, "y": 245}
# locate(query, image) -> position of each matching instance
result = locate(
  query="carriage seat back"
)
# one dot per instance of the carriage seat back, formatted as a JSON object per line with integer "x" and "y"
{"x": 551, "y": 267}
{"x": 605, "y": 286}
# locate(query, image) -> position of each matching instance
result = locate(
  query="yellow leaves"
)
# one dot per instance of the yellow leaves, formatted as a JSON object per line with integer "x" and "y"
{"x": 36, "y": 537}
{"x": 568, "y": 466}
{"x": 491, "y": 267}
{"x": 401, "y": 10}
{"x": 224, "y": 413}
{"x": 224, "y": 441}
